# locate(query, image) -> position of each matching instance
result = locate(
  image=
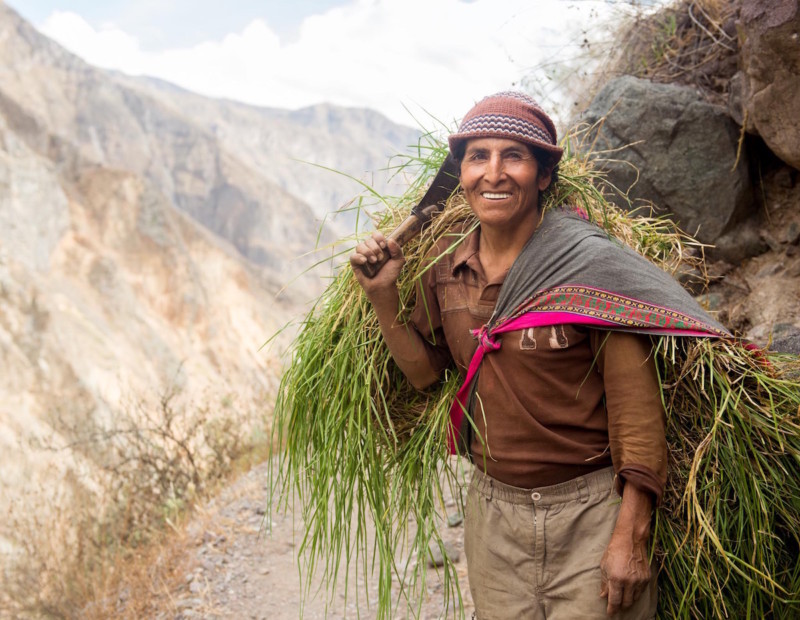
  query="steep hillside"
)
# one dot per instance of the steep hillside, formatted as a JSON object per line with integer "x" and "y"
{"x": 110, "y": 299}
{"x": 75, "y": 115}
{"x": 239, "y": 170}
{"x": 287, "y": 146}
{"x": 151, "y": 241}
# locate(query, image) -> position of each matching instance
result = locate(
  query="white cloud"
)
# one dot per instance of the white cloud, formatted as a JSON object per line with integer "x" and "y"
{"x": 105, "y": 47}
{"x": 433, "y": 55}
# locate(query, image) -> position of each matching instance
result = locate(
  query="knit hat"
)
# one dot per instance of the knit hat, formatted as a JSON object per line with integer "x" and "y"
{"x": 509, "y": 114}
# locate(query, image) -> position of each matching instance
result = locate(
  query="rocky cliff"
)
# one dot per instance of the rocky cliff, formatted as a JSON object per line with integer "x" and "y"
{"x": 698, "y": 115}
{"x": 298, "y": 149}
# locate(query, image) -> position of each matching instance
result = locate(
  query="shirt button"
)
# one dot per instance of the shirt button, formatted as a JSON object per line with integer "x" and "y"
{"x": 536, "y": 496}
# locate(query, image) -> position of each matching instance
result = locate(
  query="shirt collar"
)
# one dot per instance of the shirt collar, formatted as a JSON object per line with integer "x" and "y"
{"x": 467, "y": 252}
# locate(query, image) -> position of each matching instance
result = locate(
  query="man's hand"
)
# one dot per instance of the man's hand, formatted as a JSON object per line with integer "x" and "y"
{"x": 625, "y": 569}
{"x": 371, "y": 250}
{"x": 625, "y": 572}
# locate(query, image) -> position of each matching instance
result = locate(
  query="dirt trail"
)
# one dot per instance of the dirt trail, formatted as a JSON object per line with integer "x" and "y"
{"x": 233, "y": 569}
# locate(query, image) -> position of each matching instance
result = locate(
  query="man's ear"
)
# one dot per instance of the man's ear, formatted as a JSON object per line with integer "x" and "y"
{"x": 545, "y": 177}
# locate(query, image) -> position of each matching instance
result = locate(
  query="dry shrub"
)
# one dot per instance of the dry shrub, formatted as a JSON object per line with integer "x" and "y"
{"x": 690, "y": 42}
{"x": 94, "y": 545}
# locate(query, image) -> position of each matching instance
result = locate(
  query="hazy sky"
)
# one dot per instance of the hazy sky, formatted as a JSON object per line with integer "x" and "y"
{"x": 430, "y": 56}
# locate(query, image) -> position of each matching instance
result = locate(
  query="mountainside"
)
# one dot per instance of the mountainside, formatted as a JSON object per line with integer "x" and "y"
{"x": 147, "y": 239}
{"x": 282, "y": 145}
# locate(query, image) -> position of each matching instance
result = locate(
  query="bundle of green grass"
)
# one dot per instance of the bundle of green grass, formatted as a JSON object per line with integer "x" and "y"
{"x": 360, "y": 445}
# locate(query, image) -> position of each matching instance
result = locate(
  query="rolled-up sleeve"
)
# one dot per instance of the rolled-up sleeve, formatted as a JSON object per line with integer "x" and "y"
{"x": 636, "y": 419}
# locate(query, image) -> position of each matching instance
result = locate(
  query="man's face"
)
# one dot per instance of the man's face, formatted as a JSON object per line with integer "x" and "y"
{"x": 501, "y": 181}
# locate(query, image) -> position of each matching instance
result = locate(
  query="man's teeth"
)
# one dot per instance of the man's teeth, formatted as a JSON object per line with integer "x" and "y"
{"x": 495, "y": 196}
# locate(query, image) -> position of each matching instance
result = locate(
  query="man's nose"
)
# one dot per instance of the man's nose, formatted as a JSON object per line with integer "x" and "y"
{"x": 494, "y": 168}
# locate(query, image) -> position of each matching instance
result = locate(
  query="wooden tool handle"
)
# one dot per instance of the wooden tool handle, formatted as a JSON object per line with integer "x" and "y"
{"x": 443, "y": 184}
{"x": 408, "y": 229}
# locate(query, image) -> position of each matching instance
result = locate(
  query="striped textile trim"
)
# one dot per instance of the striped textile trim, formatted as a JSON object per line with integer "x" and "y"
{"x": 498, "y": 123}
{"x": 612, "y": 307}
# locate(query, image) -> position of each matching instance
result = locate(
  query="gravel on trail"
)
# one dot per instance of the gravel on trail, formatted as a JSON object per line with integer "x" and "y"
{"x": 235, "y": 568}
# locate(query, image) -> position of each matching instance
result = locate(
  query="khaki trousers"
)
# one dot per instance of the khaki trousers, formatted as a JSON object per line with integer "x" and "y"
{"x": 535, "y": 553}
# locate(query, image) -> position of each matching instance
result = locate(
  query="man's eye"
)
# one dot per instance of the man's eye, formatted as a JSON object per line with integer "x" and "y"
{"x": 477, "y": 156}
{"x": 514, "y": 156}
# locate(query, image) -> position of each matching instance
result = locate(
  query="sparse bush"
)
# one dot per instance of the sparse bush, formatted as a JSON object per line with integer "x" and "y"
{"x": 690, "y": 42}
{"x": 135, "y": 475}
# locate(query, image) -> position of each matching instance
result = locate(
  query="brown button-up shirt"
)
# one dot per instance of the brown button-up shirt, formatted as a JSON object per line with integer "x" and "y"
{"x": 552, "y": 403}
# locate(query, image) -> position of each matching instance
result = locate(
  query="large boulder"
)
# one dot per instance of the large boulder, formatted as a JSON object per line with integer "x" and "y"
{"x": 767, "y": 91}
{"x": 670, "y": 147}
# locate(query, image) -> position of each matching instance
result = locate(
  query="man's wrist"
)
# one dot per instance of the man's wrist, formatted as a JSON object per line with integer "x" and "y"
{"x": 635, "y": 513}
{"x": 385, "y": 298}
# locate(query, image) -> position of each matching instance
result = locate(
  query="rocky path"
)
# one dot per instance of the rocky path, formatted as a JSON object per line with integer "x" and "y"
{"x": 234, "y": 569}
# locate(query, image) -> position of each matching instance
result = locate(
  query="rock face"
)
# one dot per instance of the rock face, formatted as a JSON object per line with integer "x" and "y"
{"x": 671, "y": 148}
{"x": 788, "y": 343}
{"x": 769, "y": 97}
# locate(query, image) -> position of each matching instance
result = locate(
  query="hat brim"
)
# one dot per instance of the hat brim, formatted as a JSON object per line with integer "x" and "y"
{"x": 553, "y": 153}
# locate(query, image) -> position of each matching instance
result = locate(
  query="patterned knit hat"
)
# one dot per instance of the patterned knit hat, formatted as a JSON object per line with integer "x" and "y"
{"x": 509, "y": 114}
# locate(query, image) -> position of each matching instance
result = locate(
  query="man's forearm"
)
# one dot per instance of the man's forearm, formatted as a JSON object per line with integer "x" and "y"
{"x": 636, "y": 416}
{"x": 407, "y": 347}
{"x": 635, "y": 513}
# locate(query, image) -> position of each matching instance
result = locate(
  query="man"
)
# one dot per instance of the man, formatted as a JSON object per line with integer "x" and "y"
{"x": 567, "y": 413}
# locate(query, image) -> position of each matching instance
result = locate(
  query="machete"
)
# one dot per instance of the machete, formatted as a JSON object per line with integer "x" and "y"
{"x": 443, "y": 184}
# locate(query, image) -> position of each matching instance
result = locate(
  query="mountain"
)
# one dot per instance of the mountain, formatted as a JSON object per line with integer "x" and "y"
{"x": 297, "y": 149}
{"x": 147, "y": 239}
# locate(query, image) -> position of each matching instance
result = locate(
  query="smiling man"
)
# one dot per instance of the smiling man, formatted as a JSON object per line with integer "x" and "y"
{"x": 567, "y": 421}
